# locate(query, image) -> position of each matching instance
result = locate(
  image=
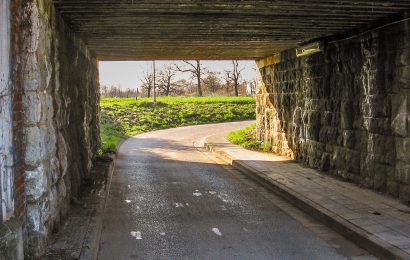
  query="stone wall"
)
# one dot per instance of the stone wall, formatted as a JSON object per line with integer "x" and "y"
{"x": 344, "y": 110}
{"x": 61, "y": 136}
{"x": 6, "y": 115}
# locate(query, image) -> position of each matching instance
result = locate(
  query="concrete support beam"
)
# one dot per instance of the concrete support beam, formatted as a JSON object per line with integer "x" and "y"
{"x": 268, "y": 61}
{"x": 223, "y": 29}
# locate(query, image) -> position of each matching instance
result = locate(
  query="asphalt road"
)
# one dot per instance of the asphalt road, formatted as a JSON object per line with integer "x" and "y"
{"x": 170, "y": 199}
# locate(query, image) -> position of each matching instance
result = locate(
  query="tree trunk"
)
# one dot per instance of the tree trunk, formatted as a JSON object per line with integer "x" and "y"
{"x": 168, "y": 86}
{"x": 199, "y": 85}
{"x": 198, "y": 77}
{"x": 236, "y": 89}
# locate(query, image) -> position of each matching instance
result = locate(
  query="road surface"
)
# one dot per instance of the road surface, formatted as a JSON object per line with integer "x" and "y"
{"x": 170, "y": 199}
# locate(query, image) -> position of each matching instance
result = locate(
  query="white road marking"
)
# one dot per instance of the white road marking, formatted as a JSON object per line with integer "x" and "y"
{"x": 136, "y": 234}
{"x": 179, "y": 205}
{"x": 216, "y": 231}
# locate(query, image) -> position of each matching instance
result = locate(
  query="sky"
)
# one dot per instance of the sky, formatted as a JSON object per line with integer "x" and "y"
{"x": 128, "y": 74}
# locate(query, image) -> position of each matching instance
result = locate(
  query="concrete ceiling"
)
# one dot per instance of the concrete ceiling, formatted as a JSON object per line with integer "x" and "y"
{"x": 214, "y": 29}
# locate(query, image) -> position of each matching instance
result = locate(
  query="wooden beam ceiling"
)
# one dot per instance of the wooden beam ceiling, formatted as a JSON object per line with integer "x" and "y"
{"x": 217, "y": 29}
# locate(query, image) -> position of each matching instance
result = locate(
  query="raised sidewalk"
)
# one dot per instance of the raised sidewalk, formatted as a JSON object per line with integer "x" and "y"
{"x": 375, "y": 222}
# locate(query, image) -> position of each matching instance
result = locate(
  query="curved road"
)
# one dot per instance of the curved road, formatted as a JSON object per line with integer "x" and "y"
{"x": 172, "y": 200}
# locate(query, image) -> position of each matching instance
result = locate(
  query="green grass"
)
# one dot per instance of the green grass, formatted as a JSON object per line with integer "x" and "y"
{"x": 125, "y": 117}
{"x": 247, "y": 138}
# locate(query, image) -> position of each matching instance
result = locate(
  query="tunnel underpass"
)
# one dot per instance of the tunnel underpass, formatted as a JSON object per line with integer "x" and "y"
{"x": 335, "y": 92}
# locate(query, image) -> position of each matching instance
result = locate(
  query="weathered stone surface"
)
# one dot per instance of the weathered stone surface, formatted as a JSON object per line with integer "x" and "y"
{"x": 60, "y": 80}
{"x": 399, "y": 115}
{"x": 37, "y": 183}
{"x": 402, "y": 149}
{"x": 346, "y": 111}
{"x": 403, "y": 172}
{"x": 11, "y": 240}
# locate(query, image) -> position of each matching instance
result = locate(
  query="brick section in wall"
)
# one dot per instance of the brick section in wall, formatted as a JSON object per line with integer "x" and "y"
{"x": 18, "y": 113}
{"x": 344, "y": 110}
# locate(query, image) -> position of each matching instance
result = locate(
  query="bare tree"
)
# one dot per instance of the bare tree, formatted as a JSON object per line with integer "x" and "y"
{"x": 117, "y": 92}
{"x": 166, "y": 76}
{"x": 235, "y": 76}
{"x": 147, "y": 83}
{"x": 252, "y": 85}
{"x": 212, "y": 82}
{"x": 196, "y": 71}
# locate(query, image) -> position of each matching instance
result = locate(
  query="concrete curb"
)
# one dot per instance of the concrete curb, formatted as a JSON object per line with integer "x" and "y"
{"x": 92, "y": 241}
{"x": 353, "y": 233}
{"x": 95, "y": 245}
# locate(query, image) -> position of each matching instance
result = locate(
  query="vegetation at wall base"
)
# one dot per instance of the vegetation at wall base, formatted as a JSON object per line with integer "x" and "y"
{"x": 125, "y": 117}
{"x": 247, "y": 138}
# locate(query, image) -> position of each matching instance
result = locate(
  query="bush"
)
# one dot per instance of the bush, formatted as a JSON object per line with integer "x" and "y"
{"x": 247, "y": 138}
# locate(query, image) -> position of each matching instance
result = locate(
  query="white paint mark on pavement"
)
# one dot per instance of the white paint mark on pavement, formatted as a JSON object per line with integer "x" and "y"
{"x": 128, "y": 201}
{"x": 216, "y": 231}
{"x": 212, "y": 192}
{"x": 136, "y": 234}
{"x": 179, "y": 205}
{"x": 197, "y": 193}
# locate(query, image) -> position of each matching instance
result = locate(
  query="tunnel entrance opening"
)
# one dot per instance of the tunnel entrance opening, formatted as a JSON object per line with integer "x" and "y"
{"x": 185, "y": 93}
{"x": 337, "y": 110}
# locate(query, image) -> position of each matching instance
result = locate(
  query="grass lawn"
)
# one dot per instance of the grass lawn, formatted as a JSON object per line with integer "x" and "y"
{"x": 125, "y": 117}
{"x": 247, "y": 138}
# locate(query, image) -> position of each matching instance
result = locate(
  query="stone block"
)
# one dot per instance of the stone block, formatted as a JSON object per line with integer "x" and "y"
{"x": 325, "y": 162}
{"x": 405, "y": 77}
{"x": 349, "y": 139}
{"x": 36, "y": 216}
{"x": 405, "y": 193}
{"x": 399, "y": 114}
{"x": 367, "y": 164}
{"x": 403, "y": 172}
{"x": 404, "y": 57}
{"x": 403, "y": 149}
{"x": 346, "y": 115}
{"x": 36, "y": 150}
{"x": 50, "y": 139}
{"x": 33, "y": 107}
{"x": 53, "y": 203}
{"x": 339, "y": 157}
{"x": 37, "y": 183}
{"x": 375, "y": 106}
{"x": 392, "y": 188}
{"x": 400, "y": 124}
{"x": 379, "y": 144}
{"x": 381, "y": 173}
{"x": 381, "y": 125}
{"x": 353, "y": 161}
{"x": 11, "y": 240}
